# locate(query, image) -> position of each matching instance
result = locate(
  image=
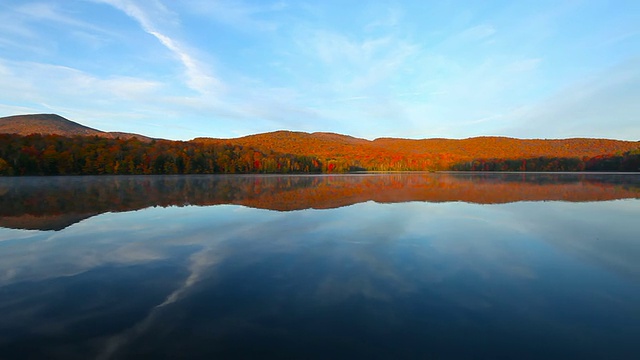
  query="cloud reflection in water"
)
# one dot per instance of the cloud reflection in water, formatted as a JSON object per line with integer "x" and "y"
{"x": 393, "y": 279}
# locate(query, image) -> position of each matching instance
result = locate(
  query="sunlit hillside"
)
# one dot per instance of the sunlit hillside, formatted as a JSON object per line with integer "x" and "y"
{"x": 55, "y": 124}
{"x": 50, "y": 145}
{"x": 425, "y": 154}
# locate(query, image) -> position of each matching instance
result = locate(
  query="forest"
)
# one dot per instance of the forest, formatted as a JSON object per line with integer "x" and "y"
{"x": 628, "y": 161}
{"x": 93, "y": 155}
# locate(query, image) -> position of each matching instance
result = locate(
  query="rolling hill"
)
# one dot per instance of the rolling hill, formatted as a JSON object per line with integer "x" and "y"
{"x": 57, "y": 125}
{"x": 330, "y": 144}
{"x": 291, "y": 151}
{"x": 433, "y": 154}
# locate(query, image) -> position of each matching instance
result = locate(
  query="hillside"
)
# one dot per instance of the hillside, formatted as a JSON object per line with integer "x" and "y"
{"x": 504, "y": 147}
{"x": 336, "y": 145}
{"x": 288, "y": 152}
{"x": 55, "y": 124}
{"x": 350, "y": 153}
{"x": 323, "y": 145}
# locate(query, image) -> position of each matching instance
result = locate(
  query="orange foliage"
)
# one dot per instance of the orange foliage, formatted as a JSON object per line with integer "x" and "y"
{"x": 57, "y": 202}
{"x": 345, "y": 153}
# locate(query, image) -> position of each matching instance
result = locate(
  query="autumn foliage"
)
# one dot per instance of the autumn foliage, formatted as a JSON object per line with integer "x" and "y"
{"x": 339, "y": 153}
{"x": 58, "y": 155}
{"x": 54, "y": 203}
{"x": 296, "y": 152}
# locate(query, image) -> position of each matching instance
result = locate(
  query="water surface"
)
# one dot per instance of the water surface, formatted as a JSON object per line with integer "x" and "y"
{"x": 451, "y": 266}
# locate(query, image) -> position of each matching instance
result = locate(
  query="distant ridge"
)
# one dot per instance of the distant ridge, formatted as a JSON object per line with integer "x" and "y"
{"x": 295, "y": 151}
{"x": 331, "y": 145}
{"x": 56, "y": 125}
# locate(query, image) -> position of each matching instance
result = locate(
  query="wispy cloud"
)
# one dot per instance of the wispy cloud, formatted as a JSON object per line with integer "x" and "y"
{"x": 524, "y": 65}
{"x": 21, "y": 28}
{"x": 352, "y": 98}
{"x": 39, "y": 11}
{"x": 239, "y": 14}
{"x": 392, "y": 20}
{"x": 23, "y": 18}
{"x": 227, "y": 68}
{"x": 12, "y": 24}
{"x": 478, "y": 32}
{"x": 28, "y": 86}
{"x": 198, "y": 76}
{"x": 37, "y": 78}
{"x": 355, "y": 66}
{"x": 587, "y": 108}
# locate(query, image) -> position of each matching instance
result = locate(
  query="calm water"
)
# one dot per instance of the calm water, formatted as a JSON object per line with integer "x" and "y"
{"x": 441, "y": 266}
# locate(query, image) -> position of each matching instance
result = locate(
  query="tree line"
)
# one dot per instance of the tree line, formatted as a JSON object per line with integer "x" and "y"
{"x": 92, "y": 155}
{"x": 624, "y": 162}
{"x": 81, "y": 155}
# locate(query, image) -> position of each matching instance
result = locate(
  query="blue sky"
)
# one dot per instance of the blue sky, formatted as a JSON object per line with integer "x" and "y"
{"x": 414, "y": 69}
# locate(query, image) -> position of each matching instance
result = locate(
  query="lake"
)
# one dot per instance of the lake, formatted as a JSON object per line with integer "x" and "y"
{"x": 422, "y": 265}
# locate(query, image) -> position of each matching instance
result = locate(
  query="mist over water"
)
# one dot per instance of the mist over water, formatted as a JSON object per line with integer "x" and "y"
{"x": 459, "y": 266}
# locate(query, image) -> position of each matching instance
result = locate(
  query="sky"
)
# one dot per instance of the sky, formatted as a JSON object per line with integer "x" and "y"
{"x": 412, "y": 69}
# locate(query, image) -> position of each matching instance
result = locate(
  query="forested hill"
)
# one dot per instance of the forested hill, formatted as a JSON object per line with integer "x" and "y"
{"x": 391, "y": 154}
{"x": 55, "y": 124}
{"x": 330, "y": 144}
{"x": 59, "y": 146}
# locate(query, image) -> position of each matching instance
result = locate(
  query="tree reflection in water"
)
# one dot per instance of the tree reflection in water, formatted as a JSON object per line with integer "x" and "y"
{"x": 53, "y": 203}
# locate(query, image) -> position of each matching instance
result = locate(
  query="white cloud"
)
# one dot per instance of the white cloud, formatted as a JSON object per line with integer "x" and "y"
{"x": 476, "y": 33}
{"x": 292, "y": 65}
{"x": 39, "y": 11}
{"x": 36, "y": 80}
{"x": 9, "y": 110}
{"x": 391, "y": 20}
{"x": 352, "y": 67}
{"x": 11, "y": 24}
{"x": 21, "y": 29}
{"x": 587, "y": 108}
{"x": 238, "y": 14}
{"x": 198, "y": 76}
{"x": 524, "y": 65}
{"x": 26, "y": 87}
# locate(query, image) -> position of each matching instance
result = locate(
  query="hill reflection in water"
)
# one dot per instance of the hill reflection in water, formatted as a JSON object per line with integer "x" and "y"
{"x": 456, "y": 279}
{"x": 53, "y": 203}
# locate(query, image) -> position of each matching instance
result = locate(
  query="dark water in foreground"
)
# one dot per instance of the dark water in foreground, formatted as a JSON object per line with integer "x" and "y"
{"x": 440, "y": 266}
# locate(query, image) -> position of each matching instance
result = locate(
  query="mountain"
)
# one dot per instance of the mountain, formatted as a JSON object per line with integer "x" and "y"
{"x": 327, "y": 144}
{"x": 298, "y": 143}
{"x": 505, "y": 147}
{"x": 293, "y": 151}
{"x": 55, "y": 124}
{"x": 433, "y": 154}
